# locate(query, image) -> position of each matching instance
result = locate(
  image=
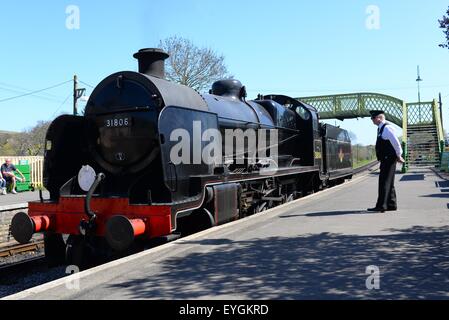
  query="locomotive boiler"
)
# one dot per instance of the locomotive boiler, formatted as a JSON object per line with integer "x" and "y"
{"x": 131, "y": 169}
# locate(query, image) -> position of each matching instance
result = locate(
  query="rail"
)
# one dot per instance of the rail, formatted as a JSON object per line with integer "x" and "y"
{"x": 365, "y": 167}
{"x": 18, "y": 249}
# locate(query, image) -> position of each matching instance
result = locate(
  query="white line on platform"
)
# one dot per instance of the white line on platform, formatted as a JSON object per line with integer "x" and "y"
{"x": 271, "y": 212}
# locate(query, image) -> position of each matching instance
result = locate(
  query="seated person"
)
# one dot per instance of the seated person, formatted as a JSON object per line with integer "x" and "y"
{"x": 7, "y": 171}
{"x": 2, "y": 184}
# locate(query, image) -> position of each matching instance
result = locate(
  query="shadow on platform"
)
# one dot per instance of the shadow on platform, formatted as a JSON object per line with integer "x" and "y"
{"x": 414, "y": 264}
{"x": 413, "y": 177}
{"x": 436, "y": 195}
{"x": 377, "y": 173}
{"x": 326, "y": 214}
{"x": 420, "y": 171}
{"x": 442, "y": 184}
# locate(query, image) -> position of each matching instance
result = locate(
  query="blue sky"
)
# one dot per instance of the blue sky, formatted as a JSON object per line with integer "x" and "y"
{"x": 293, "y": 47}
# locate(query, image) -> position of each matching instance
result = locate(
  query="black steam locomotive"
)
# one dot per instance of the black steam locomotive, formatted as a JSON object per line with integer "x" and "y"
{"x": 114, "y": 175}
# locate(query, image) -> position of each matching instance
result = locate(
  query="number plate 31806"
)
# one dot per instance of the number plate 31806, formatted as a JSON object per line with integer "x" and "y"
{"x": 118, "y": 122}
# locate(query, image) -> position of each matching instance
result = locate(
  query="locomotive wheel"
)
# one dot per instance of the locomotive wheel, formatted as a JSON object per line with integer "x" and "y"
{"x": 263, "y": 206}
{"x": 260, "y": 207}
{"x": 289, "y": 198}
{"x": 54, "y": 248}
{"x": 199, "y": 220}
{"x": 317, "y": 185}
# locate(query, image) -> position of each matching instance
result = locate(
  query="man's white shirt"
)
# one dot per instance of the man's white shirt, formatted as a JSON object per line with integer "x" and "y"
{"x": 389, "y": 134}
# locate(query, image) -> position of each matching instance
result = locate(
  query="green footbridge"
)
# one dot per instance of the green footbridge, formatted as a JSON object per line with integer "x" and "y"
{"x": 423, "y": 135}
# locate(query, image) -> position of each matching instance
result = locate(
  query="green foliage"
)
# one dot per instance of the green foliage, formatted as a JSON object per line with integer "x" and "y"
{"x": 30, "y": 142}
{"x": 362, "y": 155}
{"x": 444, "y": 24}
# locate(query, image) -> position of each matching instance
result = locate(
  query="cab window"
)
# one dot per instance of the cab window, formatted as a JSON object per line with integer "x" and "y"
{"x": 303, "y": 113}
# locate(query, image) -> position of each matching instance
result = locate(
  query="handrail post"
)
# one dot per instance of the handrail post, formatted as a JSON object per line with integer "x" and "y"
{"x": 440, "y": 132}
{"x": 404, "y": 137}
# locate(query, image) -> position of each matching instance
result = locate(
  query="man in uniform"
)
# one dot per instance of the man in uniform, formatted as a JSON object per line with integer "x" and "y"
{"x": 389, "y": 153}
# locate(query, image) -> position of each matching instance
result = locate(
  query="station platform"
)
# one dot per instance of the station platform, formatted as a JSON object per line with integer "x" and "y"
{"x": 320, "y": 247}
{"x": 19, "y": 201}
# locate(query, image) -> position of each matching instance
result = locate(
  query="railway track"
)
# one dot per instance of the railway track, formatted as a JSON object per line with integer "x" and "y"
{"x": 19, "y": 249}
{"x": 25, "y": 274}
{"x": 365, "y": 167}
{"x": 24, "y": 267}
{"x": 21, "y": 267}
{"x": 19, "y": 264}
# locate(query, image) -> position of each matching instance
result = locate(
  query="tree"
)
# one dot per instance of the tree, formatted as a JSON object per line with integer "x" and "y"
{"x": 192, "y": 66}
{"x": 36, "y": 139}
{"x": 6, "y": 149}
{"x": 444, "y": 24}
{"x": 28, "y": 143}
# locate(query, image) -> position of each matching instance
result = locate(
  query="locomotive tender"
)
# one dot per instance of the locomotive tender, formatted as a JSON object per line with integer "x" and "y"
{"x": 113, "y": 184}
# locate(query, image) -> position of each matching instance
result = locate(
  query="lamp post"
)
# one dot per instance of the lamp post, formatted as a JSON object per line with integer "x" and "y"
{"x": 440, "y": 102}
{"x": 418, "y": 80}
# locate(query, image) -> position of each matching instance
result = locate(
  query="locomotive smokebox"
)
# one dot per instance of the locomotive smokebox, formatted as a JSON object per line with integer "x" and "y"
{"x": 152, "y": 62}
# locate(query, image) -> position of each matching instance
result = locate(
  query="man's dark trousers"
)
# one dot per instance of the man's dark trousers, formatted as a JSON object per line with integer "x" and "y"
{"x": 387, "y": 192}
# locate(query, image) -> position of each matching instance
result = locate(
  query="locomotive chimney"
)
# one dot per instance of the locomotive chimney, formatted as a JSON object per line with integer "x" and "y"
{"x": 151, "y": 62}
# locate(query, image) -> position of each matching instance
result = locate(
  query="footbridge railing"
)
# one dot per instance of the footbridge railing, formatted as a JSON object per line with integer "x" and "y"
{"x": 359, "y": 105}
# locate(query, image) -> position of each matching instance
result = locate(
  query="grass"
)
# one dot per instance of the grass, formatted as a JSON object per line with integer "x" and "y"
{"x": 362, "y": 163}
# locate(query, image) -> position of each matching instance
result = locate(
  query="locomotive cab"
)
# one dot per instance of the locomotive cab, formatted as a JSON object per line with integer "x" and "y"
{"x": 66, "y": 151}
{"x": 304, "y": 119}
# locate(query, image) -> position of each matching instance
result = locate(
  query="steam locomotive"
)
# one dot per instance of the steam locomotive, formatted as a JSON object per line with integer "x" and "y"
{"x": 116, "y": 182}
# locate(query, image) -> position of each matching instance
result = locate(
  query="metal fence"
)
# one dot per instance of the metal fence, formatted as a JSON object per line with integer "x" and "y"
{"x": 36, "y": 168}
{"x": 420, "y": 113}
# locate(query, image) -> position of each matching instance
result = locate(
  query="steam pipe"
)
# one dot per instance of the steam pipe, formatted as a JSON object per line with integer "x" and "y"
{"x": 92, "y": 216}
